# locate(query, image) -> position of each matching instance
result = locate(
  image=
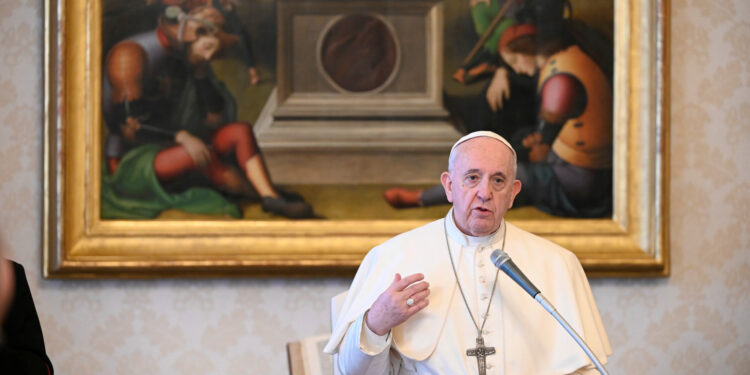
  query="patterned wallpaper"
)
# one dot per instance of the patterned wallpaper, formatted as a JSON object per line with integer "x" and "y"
{"x": 694, "y": 322}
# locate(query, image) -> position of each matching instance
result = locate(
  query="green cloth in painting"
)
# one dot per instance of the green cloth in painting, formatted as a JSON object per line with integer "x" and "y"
{"x": 482, "y": 14}
{"x": 134, "y": 192}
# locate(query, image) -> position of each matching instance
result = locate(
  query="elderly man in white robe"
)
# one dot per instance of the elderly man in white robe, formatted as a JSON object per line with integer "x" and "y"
{"x": 451, "y": 312}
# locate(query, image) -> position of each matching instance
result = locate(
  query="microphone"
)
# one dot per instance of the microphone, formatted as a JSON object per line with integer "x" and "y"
{"x": 502, "y": 261}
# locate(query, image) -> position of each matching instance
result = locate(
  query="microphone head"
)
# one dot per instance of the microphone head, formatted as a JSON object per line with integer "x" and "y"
{"x": 498, "y": 257}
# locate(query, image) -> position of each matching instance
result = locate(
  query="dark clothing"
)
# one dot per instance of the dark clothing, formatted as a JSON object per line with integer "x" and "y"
{"x": 562, "y": 189}
{"x": 22, "y": 349}
{"x": 473, "y": 113}
{"x": 233, "y": 25}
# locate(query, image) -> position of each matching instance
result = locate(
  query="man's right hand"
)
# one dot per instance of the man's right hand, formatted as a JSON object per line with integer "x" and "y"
{"x": 129, "y": 128}
{"x": 194, "y": 147}
{"x": 390, "y": 309}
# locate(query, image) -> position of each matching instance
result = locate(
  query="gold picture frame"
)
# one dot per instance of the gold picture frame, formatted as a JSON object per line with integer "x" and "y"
{"x": 78, "y": 244}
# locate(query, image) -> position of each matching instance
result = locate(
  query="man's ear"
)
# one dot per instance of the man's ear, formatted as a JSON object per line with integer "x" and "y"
{"x": 445, "y": 180}
{"x": 515, "y": 189}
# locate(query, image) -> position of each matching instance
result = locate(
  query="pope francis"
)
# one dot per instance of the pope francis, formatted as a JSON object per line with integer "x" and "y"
{"x": 430, "y": 301}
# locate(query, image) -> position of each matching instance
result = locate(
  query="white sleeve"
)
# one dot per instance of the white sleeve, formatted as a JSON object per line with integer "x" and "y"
{"x": 363, "y": 352}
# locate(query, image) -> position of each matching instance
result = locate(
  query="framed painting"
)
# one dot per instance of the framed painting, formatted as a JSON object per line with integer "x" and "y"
{"x": 222, "y": 138}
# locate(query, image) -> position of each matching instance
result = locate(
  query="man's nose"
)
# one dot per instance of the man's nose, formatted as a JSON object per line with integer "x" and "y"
{"x": 484, "y": 191}
{"x": 209, "y": 54}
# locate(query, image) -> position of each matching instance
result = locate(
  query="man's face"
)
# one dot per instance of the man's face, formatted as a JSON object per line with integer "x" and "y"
{"x": 519, "y": 62}
{"x": 203, "y": 50}
{"x": 481, "y": 185}
{"x": 202, "y": 32}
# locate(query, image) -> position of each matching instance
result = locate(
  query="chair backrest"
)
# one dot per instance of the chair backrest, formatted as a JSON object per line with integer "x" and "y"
{"x": 336, "y": 303}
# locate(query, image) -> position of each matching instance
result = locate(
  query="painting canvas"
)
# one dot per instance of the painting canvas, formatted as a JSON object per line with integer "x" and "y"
{"x": 184, "y": 82}
{"x": 291, "y": 136}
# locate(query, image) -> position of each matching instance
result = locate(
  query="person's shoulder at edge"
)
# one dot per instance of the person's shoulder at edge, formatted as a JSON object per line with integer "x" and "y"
{"x": 27, "y": 333}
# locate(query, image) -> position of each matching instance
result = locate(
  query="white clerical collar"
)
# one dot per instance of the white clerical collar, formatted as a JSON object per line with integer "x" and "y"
{"x": 463, "y": 239}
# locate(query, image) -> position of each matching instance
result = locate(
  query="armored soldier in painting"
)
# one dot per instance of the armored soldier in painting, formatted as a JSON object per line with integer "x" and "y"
{"x": 173, "y": 135}
{"x": 565, "y": 148}
{"x": 566, "y": 160}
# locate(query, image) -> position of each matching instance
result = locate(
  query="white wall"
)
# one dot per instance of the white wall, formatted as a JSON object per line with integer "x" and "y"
{"x": 694, "y": 322}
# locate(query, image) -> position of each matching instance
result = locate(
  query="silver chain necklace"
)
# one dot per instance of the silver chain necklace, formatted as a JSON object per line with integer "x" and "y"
{"x": 480, "y": 351}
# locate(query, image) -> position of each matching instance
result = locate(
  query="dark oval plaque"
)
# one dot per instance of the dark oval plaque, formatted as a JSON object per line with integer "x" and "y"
{"x": 359, "y": 53}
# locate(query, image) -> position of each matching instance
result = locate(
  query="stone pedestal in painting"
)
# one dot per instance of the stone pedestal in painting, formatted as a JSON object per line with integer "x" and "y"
{"x": 359, "y": 95}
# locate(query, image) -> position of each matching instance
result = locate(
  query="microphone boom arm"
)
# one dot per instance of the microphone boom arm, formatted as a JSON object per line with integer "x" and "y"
{"x": 502, "y": 260}
{"x": 551, "y": 309}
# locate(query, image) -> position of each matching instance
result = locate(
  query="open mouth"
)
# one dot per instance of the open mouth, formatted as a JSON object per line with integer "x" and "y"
{"x": 481, "y": 210}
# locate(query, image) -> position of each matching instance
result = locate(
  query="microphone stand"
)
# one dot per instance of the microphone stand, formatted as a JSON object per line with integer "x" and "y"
{"x": 551, "y": 309}
{"x": 502, "y": 261}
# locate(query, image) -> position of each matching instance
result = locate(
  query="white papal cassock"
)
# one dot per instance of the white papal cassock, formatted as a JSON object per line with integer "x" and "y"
{"x": 434, "y": 341}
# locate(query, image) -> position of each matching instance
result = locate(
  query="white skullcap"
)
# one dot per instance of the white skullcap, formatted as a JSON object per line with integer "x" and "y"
{"x": 483, "y": 133}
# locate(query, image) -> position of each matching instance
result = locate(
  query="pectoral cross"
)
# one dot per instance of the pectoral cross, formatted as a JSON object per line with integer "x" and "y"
{"x": 481, "y": 352}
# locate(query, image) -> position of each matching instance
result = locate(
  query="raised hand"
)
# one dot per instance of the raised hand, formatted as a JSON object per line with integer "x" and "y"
{"x": 391, "y": 308}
